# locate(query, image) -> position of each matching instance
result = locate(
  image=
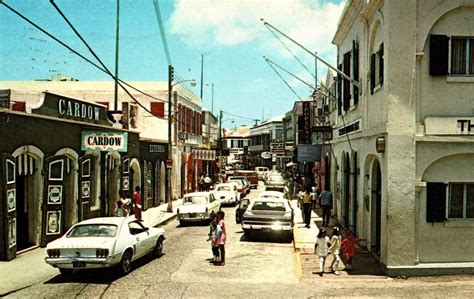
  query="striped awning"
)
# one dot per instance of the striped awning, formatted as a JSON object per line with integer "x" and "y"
{"x": 199, "y": 154}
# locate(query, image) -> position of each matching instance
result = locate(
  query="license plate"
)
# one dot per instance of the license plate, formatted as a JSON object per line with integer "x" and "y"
{"x": 78, "y": 264}
{"x": 192, "y": 215}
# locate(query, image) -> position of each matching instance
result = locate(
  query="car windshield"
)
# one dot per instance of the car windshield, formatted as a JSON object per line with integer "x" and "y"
{"x": 223, "y": 188}
{"x": 196, "y": 200}
{"x": 93, "y": 230}
{"x": 268, "y": 206}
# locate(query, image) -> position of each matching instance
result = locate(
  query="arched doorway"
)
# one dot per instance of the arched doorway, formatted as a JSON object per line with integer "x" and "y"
{"x": 71, "y": 210}
{"x": 112, "y": 181}
{"x": 346, "y": 175}
{"x": 376, "y": 207}
{"x": 27, "y": 169}
{"x": 147, "y": 185}
{"x": 136, "y": 176}
{"x": 354, "y": 203}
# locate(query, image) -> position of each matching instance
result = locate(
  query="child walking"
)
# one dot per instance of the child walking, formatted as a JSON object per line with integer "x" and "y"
{"x": 321, "y": 249}
{"x": 349, "y": 250}
{"x": 213, "y": 238}
{"x": 221, "y": 239}
{"x": 119, "y": 211}
{"x": 335, "y": 249}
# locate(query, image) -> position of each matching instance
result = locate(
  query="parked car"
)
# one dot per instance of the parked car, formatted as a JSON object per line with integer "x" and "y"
{"x": 244, "y": 180}
{"x": 276, "y": 183}
{"x": 261, "y": 172}
{"x": 241, "y": 186}
{"x": 104, "y": 242}
{"x": 268, "y": 215}
{"x": 273, "y": 194}
{"x": 197, "y": 206}
{"x": 251, "y": 176}
{"x": 227, "y": 193}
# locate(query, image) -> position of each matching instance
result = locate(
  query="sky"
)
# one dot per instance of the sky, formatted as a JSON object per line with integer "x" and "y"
{"x": 227, "y": 34}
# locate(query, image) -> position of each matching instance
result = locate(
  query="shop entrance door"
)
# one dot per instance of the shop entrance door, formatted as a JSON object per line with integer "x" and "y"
{"x": 8, "y": 236}
{"x": 53, "y": 204}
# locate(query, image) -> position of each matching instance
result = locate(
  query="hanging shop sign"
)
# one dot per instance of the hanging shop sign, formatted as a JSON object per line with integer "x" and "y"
{"x": 349, "y": 128}
{"x": 64, "y": 107}
{"x": 304, "y": 124}
{"x": 104, "y": 141}
{"x": 449, "y": 126}
{"x": 309, "y": 153}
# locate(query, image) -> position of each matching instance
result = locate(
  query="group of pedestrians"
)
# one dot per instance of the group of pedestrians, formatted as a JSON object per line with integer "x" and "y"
{"x": 127, "y": 205}
{"x": 334, "y": 245}
{"x": 217, "y": 236}
{"x": 205, "y": 182}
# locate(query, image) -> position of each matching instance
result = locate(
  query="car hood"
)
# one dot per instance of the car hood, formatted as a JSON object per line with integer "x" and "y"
{"x": 82, "y": 242}
{"x": 192, "y": 208}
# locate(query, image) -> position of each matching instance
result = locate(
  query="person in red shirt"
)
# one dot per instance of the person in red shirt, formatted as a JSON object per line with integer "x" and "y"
{"x": 349, "y": 250}
{"x": 137, "y": 203}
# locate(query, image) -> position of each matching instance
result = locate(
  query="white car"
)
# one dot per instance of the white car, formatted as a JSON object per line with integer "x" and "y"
{"x": 104, "y": 242}
{"x": 268, "y": 215}
{"x": 227, "y": 193}
{"x": 197, "y": 206}
{"x": 272, "y": 194}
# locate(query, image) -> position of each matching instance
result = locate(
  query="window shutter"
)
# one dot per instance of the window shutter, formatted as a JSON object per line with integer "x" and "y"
{"x": 372, "y": 73}
{"x": 381, "y": 64}
{"x": 439, "y": 55}
{"x": 158, "y": 109}
{"x": 435, "y": 202}
{"x": 339, "y": 91}
{"x": 355, "y": 70}
{"x": 347, "y": 84}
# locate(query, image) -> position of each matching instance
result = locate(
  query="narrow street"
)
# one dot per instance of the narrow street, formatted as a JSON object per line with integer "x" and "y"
{"x": 259, "y": 268}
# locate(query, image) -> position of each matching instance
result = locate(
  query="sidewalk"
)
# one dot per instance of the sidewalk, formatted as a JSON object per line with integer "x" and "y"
{"x": 30, "y": 268}
{"x": 364, "y": 265}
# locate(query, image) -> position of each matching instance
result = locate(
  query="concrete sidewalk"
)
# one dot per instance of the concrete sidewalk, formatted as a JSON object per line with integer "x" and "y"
{"x": 29, "y": 268}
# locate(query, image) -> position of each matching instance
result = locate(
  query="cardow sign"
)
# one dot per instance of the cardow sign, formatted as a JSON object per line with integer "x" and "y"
{"x": 104, "y": 141}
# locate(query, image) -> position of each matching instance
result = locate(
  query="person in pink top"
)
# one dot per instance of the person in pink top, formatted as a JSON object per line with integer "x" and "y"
{"x": 349, "y": 250}
{"x": 221, "y": 238}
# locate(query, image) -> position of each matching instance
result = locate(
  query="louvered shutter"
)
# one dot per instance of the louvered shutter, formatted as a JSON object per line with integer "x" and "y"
{"x": 158, "y": 109}
{"x": 381, "y": 64}
{"x": 347, "y": 84}
{"x": 439, "y": 55}
{"x": 372, "y": 73}
{"x": 436, "y": 202}
{"x": 339, "y": 90}
{"x": 355, "y": 70}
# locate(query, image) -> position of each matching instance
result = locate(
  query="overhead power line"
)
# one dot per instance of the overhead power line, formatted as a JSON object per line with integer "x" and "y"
{"x": 281, "y": 77}
{"x": 74, "y": 51}
{"x": 238, "y": 116}
{"x": 288, "y": 72}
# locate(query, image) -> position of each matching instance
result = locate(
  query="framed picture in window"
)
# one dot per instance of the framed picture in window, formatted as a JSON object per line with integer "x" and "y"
{"x": 55, "y": 194}
{"x": 11, "y": 232}
{"x": 11, "y": 200}
{"x": 53, "y": 222}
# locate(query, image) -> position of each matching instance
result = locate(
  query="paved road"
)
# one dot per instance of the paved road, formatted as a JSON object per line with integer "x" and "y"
{"x": 254, "y": 269}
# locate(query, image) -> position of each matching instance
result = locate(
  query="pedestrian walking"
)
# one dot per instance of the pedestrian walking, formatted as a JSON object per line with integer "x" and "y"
{"x": 201, "y": 182}
{"x": 126, "y": 203}
{"x": 207, "y": 182}
{"x": 119, "y": 211}
{"x": 335, "y": 249}
{"x": 137, "y": 203}
{"x": 306, "y": 199}
{"x": 326, "y": 205}
{"x": 212, "y": 237}
{"x": 348, "y": 245}
{"x": 321, "y": 249}
{"x": 221, "y": 239}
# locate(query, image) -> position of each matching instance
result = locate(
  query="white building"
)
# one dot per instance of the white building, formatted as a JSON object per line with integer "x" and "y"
{"x": 403, "y": 138}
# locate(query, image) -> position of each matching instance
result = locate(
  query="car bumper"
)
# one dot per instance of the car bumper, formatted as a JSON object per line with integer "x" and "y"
{"x": 193, "y": 217}
{"x": 268, "y": 227}
{"x": 82, "y": 262}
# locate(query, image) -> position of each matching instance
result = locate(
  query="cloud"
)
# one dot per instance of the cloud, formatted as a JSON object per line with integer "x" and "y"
{"x": 209, "y": 23}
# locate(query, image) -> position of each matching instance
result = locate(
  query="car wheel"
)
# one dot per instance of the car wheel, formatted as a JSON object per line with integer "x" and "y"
{"x": 126, "y": 262}
{"x": 181, "y": 222}
{"x": 65, "y": 271}
{"x": 158, "y": 250}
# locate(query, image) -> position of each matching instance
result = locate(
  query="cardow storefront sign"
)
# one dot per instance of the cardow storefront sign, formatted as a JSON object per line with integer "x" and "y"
{"x": 104, "y": 141}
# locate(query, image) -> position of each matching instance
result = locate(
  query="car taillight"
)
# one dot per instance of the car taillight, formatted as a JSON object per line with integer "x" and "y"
{"x": 54, "y": 252}
{"x": 102, "y": 252}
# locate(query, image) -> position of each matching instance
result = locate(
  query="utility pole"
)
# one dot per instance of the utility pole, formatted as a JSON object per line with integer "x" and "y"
{"x": 221, "y": 114}
{"x": 212, "y": 99}
{"x": 315, "y": 70}
{"x": 256, "y": 121}
{"x": 170, "y": 148}
{"x": 116, "y": 56}
{"x": 202, "y": 72}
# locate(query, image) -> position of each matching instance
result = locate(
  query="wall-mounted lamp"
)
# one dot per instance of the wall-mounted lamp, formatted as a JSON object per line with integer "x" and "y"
{"x": 380, "y": 144}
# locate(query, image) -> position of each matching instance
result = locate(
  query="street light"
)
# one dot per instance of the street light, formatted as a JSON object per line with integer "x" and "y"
{"x": 170, "y": 157}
